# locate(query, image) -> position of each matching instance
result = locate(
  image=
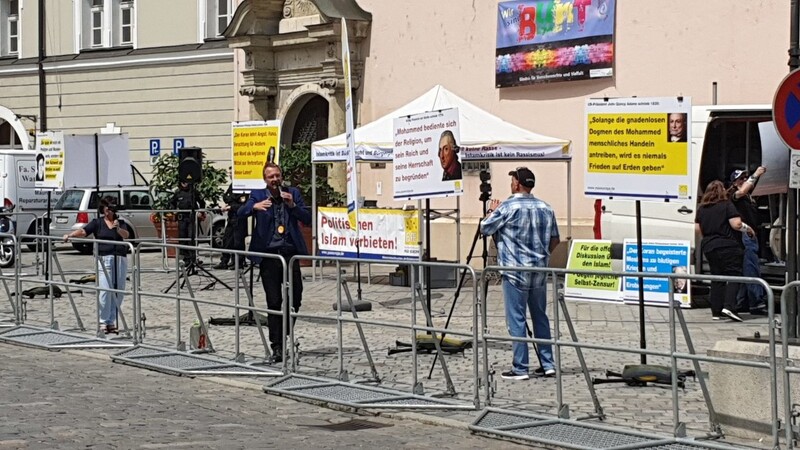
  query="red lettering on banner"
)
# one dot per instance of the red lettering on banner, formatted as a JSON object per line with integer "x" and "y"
{"x": 527, "y": 22}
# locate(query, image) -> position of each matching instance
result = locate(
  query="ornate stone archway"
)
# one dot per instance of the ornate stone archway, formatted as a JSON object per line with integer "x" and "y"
{"x": 292, "y": 48}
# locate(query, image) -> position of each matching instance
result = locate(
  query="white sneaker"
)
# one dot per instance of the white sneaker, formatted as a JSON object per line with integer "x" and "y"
{"x": 732, "y": 315}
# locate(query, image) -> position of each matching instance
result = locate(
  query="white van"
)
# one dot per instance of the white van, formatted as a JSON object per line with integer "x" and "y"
{"x": 17, "y": 171}
{"x": 723, "y": 139}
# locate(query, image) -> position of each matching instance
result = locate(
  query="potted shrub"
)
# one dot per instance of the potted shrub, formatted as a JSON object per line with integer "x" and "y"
{"x": 164, "y": 183}
{"x": 296, "y": 164}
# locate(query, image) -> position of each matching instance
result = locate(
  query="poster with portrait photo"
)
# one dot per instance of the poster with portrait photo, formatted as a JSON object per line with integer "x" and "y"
{"x": 49, "y": 160}
{"x": 427, "y": 156}
{"x": 661, "y": 256}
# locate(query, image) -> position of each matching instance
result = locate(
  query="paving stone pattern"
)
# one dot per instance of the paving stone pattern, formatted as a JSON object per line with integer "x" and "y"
{"x": 648, "y": 408}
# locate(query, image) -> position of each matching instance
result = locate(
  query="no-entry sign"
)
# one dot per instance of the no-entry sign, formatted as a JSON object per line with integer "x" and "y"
{"x": 786, "y": 110}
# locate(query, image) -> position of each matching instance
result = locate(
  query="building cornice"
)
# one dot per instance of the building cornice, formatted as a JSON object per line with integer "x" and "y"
{"x": 132, "y": 59}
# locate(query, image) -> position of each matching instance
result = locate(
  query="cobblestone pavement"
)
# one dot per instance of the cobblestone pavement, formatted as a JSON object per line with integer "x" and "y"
{"x": 73, "y": 399}
{"x": 596, "y": 323}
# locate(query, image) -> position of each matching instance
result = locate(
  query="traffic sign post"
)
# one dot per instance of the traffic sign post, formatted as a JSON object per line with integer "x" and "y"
{"x": 786, "y": 117}
{"x": 155, "y": 147}
{"x": 177, "y": 145}
{"x": 786, "y": 110}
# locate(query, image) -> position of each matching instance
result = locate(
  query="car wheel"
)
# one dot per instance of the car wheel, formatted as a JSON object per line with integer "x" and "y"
{"x": 83, "y": 249}
{"x": 217, "y": 232}
{"x": 6, "y": 255}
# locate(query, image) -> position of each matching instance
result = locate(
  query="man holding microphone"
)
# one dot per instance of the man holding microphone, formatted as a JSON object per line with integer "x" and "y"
{"x": 278, "y": 212}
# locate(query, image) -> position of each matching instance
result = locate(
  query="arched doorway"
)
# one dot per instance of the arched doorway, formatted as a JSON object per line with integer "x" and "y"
{"x": 311, "y": 122}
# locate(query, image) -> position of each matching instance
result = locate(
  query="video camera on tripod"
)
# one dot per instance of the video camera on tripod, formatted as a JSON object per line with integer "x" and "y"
{"x": 486, "y": 188}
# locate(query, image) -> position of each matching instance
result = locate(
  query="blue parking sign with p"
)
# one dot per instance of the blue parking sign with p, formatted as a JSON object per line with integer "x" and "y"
{"x": 177, "y": 144}
{"x": 155, "y": 147}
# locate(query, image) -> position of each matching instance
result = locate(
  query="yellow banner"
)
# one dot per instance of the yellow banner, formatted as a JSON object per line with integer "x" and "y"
{"x": 634, "y": 144}
{"x": 254, "y": 146}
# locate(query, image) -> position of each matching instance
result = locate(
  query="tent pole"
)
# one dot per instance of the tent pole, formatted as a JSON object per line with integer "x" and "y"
{"x": 569, "y": 199}
{"x": 458, "y": 230}
{"x": 314, "y": 220}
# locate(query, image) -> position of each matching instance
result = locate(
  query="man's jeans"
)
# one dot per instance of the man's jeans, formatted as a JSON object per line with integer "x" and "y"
{"x": 750, "y": 296}
{"x": 516, "y": 301}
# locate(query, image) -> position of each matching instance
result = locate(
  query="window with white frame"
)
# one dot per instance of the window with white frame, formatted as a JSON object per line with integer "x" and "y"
{"x": 9, "y": 12}
{"x": 218, "y": 16}
{"x": 106, "y": 23}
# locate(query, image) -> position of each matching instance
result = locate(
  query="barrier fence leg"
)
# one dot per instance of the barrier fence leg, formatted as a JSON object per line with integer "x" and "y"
{"x": 197, "y": 312}
{"x": 57, "y": 264}
{"x": 249, "y": 293}
{"x": 8, "y": 292}
{"x": 375, "y": 375}
{"x": 451, "y": 390}
{"x": 598, "y": 409}
{"x": 712, "y": 413}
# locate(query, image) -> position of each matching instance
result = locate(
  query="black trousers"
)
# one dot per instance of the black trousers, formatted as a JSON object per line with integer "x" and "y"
{"x": 271, "y": 271}
{"x": 233, "y": 237}
{"x": 724, "y": 261}
{"x": 186, "y": 235}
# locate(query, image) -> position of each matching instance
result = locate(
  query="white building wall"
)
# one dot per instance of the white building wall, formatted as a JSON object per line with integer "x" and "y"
{"x": 661, "y": 49}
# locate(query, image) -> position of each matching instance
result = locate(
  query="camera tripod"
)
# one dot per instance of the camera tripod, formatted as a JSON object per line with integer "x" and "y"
{"x": 486, "y": 194}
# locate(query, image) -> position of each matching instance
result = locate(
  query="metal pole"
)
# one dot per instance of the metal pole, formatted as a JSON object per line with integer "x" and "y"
{"x": 640, "y": 268}
{"x": 40, "y": 63}
{"x": 791, "y": 196}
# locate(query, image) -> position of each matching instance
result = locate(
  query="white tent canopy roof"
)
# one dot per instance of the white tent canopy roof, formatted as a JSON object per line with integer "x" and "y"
{"x": 484, "y": 137}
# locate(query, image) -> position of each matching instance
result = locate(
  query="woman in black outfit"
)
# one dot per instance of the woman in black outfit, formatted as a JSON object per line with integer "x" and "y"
{"x": 719, "y": 224}
{"x": 112, "y": 265}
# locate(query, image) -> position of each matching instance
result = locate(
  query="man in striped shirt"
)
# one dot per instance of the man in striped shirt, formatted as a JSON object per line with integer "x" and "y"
{"x": 525, "y": 231}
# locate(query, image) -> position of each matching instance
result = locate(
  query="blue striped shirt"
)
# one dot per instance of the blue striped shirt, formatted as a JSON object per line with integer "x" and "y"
{"x": 522, "y": 227}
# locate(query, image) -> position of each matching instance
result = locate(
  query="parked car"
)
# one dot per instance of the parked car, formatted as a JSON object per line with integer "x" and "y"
{"x": 77, "y": 206}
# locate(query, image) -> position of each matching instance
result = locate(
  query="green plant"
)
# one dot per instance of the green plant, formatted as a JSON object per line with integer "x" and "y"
{"x": 164, "y": 182}
{"x": 296, "y": 164}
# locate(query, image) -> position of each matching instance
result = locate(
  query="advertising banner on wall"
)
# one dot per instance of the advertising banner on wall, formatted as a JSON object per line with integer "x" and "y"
{"x": 544, "y": 41}
{"x": 591, "y": 255}
{"x": 49, "y": 160}
{"x": 658, "y": 256}
{"x": 253, "y": 145}
{"x": 637, "y": 148}
{"x": 382, "y": 234}
{"x": 426, "y": 156}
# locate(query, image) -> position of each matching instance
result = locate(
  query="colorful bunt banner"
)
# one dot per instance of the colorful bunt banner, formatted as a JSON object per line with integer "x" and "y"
{"x": 382, "y": 234}
{"x": 543, "y": 41}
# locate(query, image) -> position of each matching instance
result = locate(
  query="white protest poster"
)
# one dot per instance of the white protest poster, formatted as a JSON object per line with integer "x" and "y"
{"x": 382, "y": 234}
{"x": 426, "y": 156}
{"x": 97, "y": 159}
{"x": 49, "y": 160}
{"x": 658, "y": 256}
{"x": 638, "y": 148}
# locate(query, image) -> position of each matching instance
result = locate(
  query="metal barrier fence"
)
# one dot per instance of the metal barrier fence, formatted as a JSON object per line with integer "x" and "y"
{"x": 479, "y": 335}
{"x": 560, "y": 311}
{"x": 437, "y": 333}
{"x": 788, "y": 367}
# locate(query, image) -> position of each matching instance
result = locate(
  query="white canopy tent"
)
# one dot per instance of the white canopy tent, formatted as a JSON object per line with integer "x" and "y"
{"x": 483, "y": 137}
